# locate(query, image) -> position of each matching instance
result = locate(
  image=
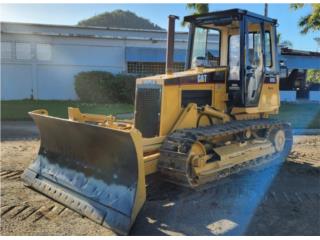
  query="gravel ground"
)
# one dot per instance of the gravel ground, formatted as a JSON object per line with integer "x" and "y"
{"x": 281, "y": 200}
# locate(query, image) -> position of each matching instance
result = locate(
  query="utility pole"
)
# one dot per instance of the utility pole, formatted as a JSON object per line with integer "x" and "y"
{"x": 266, "y": 9}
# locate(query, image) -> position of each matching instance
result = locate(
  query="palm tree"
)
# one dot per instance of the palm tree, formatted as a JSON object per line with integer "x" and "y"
{"x": 310, "y": 22}
{"x": 197, "y": 8}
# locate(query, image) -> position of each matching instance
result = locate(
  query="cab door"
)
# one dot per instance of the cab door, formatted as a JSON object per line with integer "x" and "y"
{"x": 254, "y": 62}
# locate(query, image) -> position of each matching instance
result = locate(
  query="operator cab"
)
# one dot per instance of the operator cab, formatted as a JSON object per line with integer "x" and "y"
{"x": 247, "y": 47}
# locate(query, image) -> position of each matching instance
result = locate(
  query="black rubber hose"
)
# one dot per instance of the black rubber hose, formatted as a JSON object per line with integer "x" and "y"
{"x": 203, "y": 114}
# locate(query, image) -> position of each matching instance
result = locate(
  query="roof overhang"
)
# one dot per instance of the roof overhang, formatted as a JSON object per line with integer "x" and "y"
{"x": 235, "y": 14}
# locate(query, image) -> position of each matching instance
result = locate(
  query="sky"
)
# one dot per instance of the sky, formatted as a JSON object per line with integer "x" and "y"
{"x": 71, "y": 14}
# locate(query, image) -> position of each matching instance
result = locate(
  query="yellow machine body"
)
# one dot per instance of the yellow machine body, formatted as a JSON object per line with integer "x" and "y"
{"x": 174, "y": 116}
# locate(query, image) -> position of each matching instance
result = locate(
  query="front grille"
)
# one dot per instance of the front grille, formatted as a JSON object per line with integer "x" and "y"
{"x": 147, "y": 112}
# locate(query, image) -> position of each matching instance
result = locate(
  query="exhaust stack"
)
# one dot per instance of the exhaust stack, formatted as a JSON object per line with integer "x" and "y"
{"x": 170, "y": 44}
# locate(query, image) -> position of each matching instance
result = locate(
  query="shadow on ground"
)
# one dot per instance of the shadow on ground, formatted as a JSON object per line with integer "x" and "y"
{"x": 279, "y": 200}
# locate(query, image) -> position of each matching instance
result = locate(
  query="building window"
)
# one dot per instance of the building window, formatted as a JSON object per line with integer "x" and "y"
{"x": 151, "y": 68}
{"x": 6, "y": 50}
{"x": 43, "y": 52}
{"x": 23, "y": 51}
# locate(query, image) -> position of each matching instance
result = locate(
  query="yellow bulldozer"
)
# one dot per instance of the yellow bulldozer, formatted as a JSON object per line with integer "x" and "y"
{"x": 192, "y": 127}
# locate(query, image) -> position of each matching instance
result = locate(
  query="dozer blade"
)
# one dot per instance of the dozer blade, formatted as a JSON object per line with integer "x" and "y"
{"x": 94, "y": 170}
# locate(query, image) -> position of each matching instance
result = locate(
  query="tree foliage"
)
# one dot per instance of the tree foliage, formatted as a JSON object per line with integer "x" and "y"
{"x": 119, "y": 19}
{"x": 313, "y": 76}
{"x": 310, "y": 22}
{"x": 197, "y": 8}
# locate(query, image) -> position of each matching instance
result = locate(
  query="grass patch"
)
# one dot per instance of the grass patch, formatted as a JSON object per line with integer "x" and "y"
{"x": 300, "y": 115}
{"x": 18, "y": 109}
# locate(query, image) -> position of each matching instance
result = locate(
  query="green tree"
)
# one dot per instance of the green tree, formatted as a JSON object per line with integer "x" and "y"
{"x": 310, "y": 22}
{"x": 197, "y": 8}
{"x": 313, "y": 76}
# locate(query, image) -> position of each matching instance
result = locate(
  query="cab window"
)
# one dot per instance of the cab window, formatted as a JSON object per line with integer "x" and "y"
{"x": 206, "y": 48}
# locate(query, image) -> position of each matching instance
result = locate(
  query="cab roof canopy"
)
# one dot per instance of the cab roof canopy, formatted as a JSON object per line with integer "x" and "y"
{"x": 225, "y": 16}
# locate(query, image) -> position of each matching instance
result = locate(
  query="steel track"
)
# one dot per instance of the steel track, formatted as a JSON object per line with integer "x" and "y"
{"x": 174, "y": 161}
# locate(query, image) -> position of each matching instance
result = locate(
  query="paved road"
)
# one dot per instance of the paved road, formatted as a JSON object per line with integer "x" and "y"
{"x": 11, "y": 130}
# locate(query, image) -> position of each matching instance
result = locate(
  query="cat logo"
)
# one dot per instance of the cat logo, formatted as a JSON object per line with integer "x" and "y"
{"x": 202, "y": 78}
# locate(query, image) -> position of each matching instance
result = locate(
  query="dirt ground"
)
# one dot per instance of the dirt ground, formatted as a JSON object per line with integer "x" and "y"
{"x": 280, "y": 200}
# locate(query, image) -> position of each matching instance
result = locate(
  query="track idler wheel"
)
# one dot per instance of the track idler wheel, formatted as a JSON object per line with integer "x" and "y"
{"x": 281, "y": 138}
{"x": 196, "y": 159}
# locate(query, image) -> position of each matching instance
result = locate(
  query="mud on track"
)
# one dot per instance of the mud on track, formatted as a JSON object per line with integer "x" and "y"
{"x": 274, "y": 201}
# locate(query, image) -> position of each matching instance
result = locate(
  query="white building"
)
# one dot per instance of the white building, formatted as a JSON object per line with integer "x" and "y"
{"x": 40, "y": 61}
